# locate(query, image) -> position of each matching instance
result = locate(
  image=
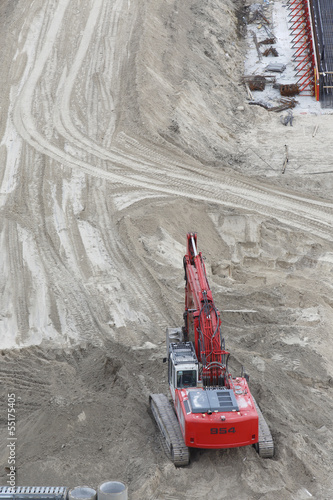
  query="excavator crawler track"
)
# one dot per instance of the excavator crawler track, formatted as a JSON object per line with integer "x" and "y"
{"x": 265, "y": 445}
{"x": 171, "y": 436}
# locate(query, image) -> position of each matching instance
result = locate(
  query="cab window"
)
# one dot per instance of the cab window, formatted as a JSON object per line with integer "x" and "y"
{"x": 186, "y": 378}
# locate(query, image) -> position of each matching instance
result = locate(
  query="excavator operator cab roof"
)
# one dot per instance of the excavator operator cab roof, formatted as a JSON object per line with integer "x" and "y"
{"x": 182, "y": 353}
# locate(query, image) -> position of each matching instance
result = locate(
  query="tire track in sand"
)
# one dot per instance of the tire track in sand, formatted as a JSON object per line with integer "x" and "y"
{"x": 306, "y": 214}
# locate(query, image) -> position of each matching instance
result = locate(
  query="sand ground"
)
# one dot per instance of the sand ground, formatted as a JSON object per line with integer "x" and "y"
{"x": 124, "y": 125}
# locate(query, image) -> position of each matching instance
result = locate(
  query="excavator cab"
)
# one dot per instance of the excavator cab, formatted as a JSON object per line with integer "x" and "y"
{"x": 183, "y": 366}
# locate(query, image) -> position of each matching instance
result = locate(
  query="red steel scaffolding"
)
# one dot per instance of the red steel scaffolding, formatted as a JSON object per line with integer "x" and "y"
{"x": 303, "y": 36}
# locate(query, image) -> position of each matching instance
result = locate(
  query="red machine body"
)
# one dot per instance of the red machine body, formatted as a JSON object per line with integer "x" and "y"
{"x": 214, "y": 410}
{"x": 218, "y": 429}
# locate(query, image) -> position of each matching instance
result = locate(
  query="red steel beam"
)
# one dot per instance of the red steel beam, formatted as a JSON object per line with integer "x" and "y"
{"x": 303, "y": 43}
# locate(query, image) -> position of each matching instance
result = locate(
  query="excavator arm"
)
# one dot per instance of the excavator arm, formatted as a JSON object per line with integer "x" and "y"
{"x": 202, "y": 319}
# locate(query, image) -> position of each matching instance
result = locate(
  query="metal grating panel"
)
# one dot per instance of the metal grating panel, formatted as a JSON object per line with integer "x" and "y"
{"x": 33, "y": 493}
{"x": 225, "y": 399}
{"x": 322, "y": 11}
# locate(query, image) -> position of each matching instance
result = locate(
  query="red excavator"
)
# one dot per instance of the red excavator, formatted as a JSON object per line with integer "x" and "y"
{"x": 211, "y": 409}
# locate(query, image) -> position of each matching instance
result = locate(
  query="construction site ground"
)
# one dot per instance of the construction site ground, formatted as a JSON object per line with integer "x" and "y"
{"x": 124, "y": 125}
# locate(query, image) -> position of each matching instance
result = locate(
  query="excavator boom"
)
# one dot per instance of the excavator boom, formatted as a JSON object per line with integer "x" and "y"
{"x": 202, "y": 319}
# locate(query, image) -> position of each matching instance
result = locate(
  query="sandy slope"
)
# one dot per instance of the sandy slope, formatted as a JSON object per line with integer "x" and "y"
{"x": 121, "y": 130}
